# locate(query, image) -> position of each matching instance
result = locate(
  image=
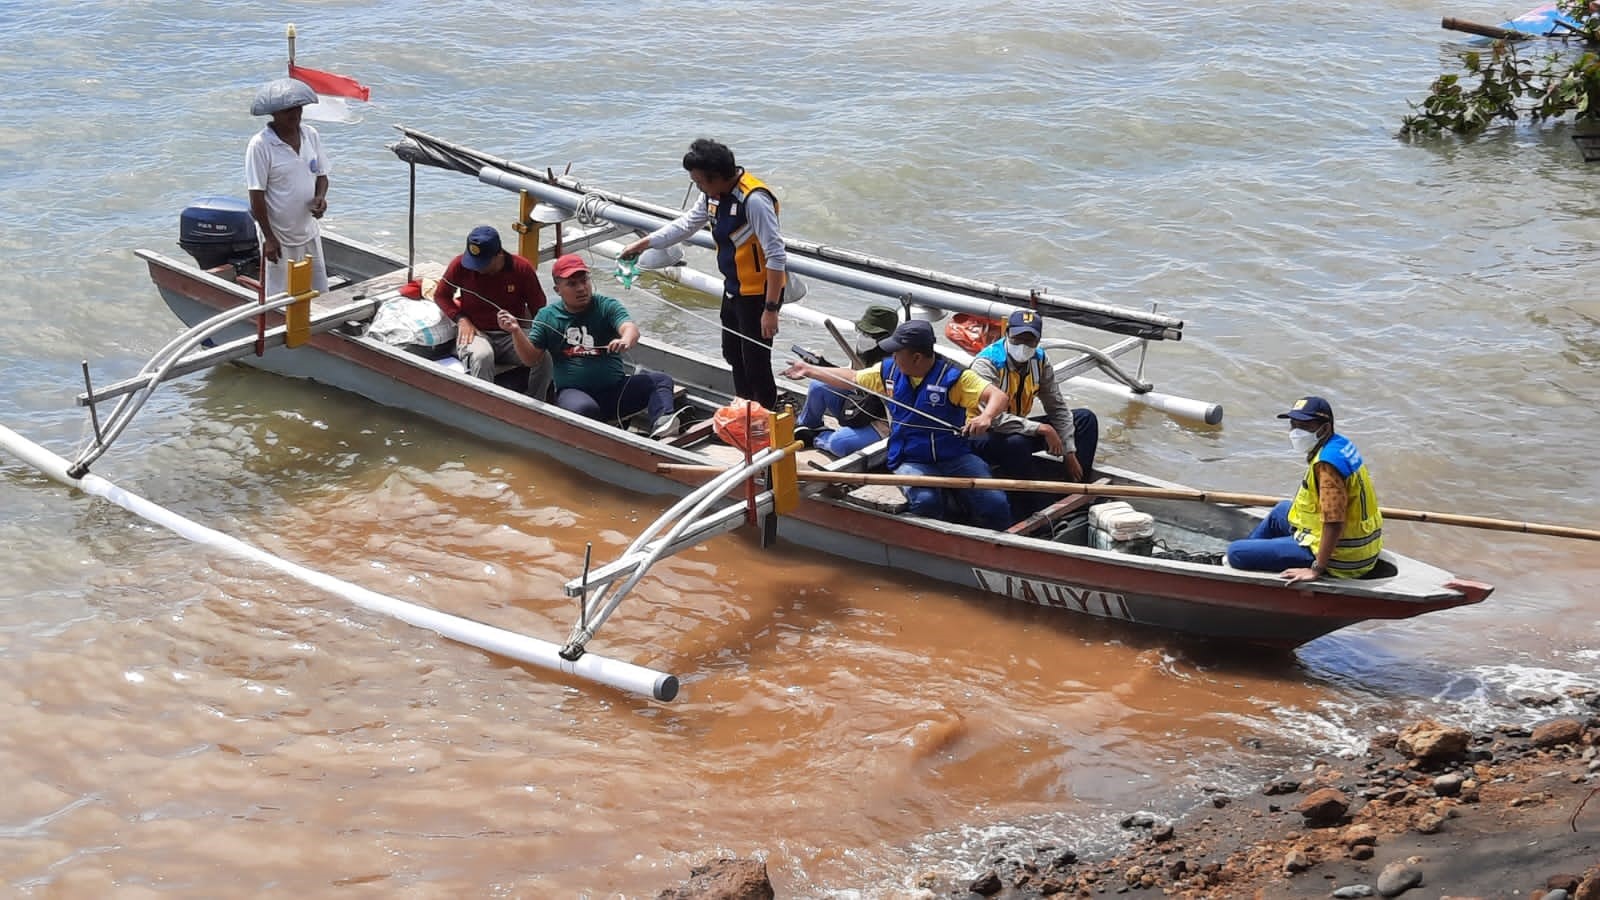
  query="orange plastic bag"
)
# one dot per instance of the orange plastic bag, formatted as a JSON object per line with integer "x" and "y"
{"x": 973, "y": 333}
{"x": 743, "y": 424}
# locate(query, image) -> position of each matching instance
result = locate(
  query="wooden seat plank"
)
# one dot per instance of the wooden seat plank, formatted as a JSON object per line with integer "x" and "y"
{"x": 1055, "y": 512}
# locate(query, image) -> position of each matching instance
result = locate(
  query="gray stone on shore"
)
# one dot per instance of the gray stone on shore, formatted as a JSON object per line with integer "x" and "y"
{"x": 1397, "y": 878}
{"x": 1449, "y": 785}
{"x": 1353, "y": 892}
{"x": 986, "y": 884}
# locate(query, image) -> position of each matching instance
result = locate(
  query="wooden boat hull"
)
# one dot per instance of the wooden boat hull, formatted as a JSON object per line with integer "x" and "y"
{"x": 1192, "y": 598}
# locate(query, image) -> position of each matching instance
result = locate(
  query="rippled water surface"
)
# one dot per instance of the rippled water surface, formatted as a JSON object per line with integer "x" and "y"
{"x": 183, "y": 723}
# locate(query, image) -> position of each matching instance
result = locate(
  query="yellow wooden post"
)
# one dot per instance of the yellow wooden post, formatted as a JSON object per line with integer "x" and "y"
{"x": 528, "y": 242}
{"x": 297, "y": 315}
{"x": 785, "y": 477}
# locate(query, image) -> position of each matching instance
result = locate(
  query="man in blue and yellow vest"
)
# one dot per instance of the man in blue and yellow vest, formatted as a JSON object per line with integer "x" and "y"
{"x": 743, "y": 214}
{"x": 1017, "y": 366}
{"x": 935, "y": 406}
{"x": 1332, "y": 526}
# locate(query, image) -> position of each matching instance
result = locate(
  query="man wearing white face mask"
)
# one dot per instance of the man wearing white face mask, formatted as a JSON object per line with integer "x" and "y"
{"x": 1332, "y": 526}
{"x": 1017, "y": 366}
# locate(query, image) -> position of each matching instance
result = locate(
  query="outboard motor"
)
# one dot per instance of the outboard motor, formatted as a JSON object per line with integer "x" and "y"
{"x": 219, "y": 230}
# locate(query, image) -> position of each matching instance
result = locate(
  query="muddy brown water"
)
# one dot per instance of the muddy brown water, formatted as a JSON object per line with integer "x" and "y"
{"x": 179, "y": 723}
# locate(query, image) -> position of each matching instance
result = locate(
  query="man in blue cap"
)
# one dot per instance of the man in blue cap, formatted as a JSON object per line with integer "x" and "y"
{"x": 1332, "y": 526}
{"x": 1017, "y": 366}
{"x": 476, "y": 287}
{"x": 935, "y": 409}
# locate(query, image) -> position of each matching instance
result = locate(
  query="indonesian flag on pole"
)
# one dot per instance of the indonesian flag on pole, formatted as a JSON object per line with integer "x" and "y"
{"x": 332, "y": 92}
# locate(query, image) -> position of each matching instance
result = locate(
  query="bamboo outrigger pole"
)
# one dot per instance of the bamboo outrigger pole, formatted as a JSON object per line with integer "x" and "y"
{"x": 1153, "y": 493}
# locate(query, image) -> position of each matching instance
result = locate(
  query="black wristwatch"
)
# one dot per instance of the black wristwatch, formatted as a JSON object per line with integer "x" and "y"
{"x": 772, "y": 307}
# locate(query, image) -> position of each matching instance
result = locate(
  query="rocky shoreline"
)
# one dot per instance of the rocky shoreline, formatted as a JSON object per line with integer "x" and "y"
{"x": 1427, "y": 812}
{"x": 1430, "y": 811}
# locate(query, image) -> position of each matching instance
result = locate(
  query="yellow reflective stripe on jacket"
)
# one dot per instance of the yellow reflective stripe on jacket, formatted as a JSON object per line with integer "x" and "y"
{"x": 1362, "y": 540}
{"x": 739, "y": 254}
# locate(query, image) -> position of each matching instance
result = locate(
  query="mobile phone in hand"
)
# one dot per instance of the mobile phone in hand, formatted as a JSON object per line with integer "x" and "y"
{"x": 806, "y": 356}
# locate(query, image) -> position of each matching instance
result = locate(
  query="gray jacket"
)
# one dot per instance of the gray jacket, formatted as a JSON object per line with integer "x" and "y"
{"x": 1056, "y": 409}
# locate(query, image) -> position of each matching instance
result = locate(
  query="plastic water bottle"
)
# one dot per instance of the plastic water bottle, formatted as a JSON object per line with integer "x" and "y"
{"x": 627, "y": 271}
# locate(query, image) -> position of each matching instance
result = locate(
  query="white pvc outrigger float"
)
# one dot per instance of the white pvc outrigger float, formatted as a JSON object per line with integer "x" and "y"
{"x": 626, "y": 676}
{"x": 177, "y": 357}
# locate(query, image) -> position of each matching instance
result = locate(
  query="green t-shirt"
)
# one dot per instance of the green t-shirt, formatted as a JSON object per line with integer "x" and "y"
{"x": 566, "y": 336}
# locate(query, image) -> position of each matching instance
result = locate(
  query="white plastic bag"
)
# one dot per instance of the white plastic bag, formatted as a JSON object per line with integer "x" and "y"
{"x": 401, "y": 321}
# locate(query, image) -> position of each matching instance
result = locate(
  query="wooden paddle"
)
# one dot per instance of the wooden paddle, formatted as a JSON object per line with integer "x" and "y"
{"x": 846, "y": 346}
{"x": 1151, "y": 493}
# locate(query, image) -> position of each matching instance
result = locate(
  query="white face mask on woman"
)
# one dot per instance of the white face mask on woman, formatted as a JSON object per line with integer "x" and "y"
{"x": 1302, "y": 440}
{"x": 1018, "y": 353}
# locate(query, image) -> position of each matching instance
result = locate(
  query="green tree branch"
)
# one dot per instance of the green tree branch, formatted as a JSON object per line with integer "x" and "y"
{"x": 1499, "y": 84}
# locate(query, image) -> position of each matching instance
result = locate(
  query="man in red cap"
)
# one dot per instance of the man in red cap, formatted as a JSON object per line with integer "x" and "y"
{"x": 477, "y": 286}
{"x": 582, "y": 338}
{"x": 1332, "y": 526}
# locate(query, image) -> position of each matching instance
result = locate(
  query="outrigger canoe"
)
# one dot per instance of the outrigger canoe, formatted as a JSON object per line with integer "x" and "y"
{"x": 1544, "y": 21}
{"x": 1547, "y": 21}
{"x": 1048, "y": 560}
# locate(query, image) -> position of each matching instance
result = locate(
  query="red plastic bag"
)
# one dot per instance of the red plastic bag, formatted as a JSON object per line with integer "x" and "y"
{"x": 973, "y": 333}
{"x": 743, "y": 424}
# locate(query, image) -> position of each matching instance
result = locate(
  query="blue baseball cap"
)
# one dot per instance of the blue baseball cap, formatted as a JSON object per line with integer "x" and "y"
{"x": 1309, "y": 409}
{"x": 483, "y": 245}
{"x": 916, "y": 334}
{"x": 1024, "y": 321}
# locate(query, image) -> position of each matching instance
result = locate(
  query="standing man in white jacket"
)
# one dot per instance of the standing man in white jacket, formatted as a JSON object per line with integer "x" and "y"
{"x": 286, "y": 173}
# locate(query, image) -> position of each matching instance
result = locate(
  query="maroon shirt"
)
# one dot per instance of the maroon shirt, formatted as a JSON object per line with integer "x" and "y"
{"x": 515, "y": 288}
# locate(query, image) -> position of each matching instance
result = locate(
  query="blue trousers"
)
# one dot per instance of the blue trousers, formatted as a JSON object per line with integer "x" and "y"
{"x": 988, "y": 509}
{"x": 846, "y": 441}
{"x": 825, "y": 399}
{"x": 821, "y": 399}
{"x": 650, "y": 391}
{"x": 1271, "y": 546}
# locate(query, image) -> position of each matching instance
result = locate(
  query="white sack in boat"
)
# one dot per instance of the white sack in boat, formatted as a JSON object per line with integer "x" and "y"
{"x": 401, "y": 321}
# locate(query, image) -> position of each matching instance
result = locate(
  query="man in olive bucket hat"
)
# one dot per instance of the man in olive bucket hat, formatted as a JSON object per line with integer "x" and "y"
{"x": 286, "y": 174}
{"x": 856, "y": 411}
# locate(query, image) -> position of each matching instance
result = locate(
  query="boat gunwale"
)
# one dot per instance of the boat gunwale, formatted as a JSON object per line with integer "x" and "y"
{"x": 1179, "y": 580}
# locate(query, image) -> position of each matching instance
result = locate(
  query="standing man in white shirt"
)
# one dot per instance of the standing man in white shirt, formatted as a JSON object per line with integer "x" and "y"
{"x": 286, "y": 173}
